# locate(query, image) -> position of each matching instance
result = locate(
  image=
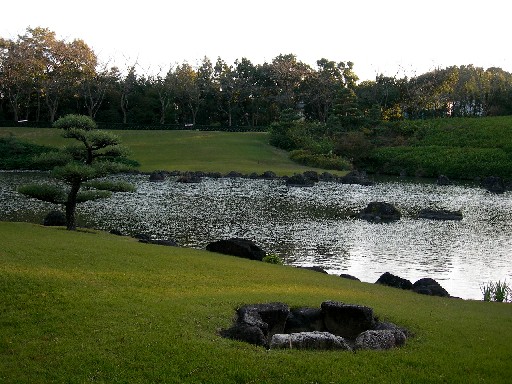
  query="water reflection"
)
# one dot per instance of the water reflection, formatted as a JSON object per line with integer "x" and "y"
{"x": 310, "y": 226}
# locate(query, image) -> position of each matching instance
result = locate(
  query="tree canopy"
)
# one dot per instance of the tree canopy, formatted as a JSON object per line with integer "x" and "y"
{"x": 43, "y": 77}
{"x": 97, "y": 154}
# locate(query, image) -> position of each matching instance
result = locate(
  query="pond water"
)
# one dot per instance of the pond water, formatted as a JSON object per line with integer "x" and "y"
{"x": 310, "y": 226}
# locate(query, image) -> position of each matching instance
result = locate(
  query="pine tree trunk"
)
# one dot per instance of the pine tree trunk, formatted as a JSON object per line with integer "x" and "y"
{"x": 71, "y": 206}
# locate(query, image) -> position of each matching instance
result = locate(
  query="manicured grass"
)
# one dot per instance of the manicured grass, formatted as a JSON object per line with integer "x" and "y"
{"x": 188, "y": 150}
{"x": 463, "y": 148}
{"x": 87, "y": 306}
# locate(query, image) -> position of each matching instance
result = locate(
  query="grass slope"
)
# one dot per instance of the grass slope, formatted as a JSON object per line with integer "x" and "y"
{"x": 223, "y": 152}
{"x": 91, "y": 307}
{"x": 460, "y": 148}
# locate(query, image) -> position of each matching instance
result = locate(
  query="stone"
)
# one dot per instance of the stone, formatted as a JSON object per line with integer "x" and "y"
{"x": 309, "y": 340}
{"x": 257, "y": 323}
{"x": 356, "y": 177}
{"x": 157, "y": 176}
{"x": 350, "y": 277}
{"x": 443, "y": 180}
{"x": 55, "y": 219}
{"x": 428, "y": 286}
{"x": 305, "y": 320}
{"x": 394, "y": 281}
{"x": 494, "y": 184}
{"x": 270, "y": 318}
{"x": 315, "y": 268}
{"x": 312, "y": 175}
{"x": 442, "y": 214}
{"x": 237, "y": 247}
{"x": 387, "y": 326}
{"x": 190, "y": 178}
{"x": 234, "y": 175}
{"x": 245, "y": 332}
{"x": 378, "y": 212}
{"x": 347, "y": 320}
{"x": 380, "y": 340}
{"x": 298, "y": 180}
{"x": 327, "y": 176}
{"x": 268, "y": 175}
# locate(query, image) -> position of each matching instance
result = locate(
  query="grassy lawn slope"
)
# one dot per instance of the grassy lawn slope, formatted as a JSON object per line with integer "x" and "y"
{"x": 244, "y": 152}
{"x": 86, "y": 306}
{"x": 462, "y": 148}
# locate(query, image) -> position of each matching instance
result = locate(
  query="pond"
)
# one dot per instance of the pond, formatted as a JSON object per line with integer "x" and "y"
{"x": 311, "y": 226}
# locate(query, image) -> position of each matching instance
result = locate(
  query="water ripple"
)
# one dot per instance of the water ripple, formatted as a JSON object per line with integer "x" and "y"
{"x": 311, "y": 226}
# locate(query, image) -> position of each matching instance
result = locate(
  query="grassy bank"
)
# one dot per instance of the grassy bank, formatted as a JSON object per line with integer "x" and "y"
{"x": 463, "y": 148}
{"x": 187, "y": 150}
{"x": 91, "y": 307}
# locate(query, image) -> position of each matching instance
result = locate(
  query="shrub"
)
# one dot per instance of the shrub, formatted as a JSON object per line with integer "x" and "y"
{"x": 273, "y": 259}
{"x": 15, "y": 154}
{"x": 320, "y": 161}
{"x": 496, "y": 291}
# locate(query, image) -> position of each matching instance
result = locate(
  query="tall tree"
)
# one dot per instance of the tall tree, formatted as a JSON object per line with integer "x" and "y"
{"x": 127, "y": 86}
{"x": 188, "y": 91}
{"x": 93, "y": 89}
{"x": 225, "y": 89}
{"x": 166, "y": 90}
{"x": 321, "y": 85}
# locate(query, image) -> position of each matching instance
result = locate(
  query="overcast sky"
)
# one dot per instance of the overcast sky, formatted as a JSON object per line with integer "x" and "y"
{"x": 393, "y": 37}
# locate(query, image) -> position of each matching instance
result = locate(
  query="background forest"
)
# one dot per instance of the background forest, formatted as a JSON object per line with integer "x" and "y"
{"x": 42, "y": 78}
{"x": 324, "y": 115}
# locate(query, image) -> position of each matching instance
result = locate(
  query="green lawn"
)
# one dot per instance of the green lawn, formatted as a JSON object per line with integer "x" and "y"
{"x": 86, "y": 306}
{"x": 187, "y": 150}
{"x": 463, "y": 148}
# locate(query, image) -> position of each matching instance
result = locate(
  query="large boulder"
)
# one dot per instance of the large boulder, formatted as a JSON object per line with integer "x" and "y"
{"x": 299, "y": 180}
{"x": 244, "y": 332}
{"x": 428, "y": 286}
{"x": 380, "y": 340}
{"x": 443, "y": 180}
{"x": 190, "y": 178}
{"x": 268, "y": 175}
{"x": 378, "y": 212}
{"x": 309, "y": 340}
{"x": 305, "y": 320}
{"x": 350, "y": 277}
{"x": 237, "y": 247}
{"x": 55, "y": 219}
{"x": 257, "y": 323}
{"x": 394, "y": 281}
{"x": 347, "y": 320}
{"x": 315, "y": 268}
{"x": 494, "y": 184}
{"x": 356, "y": 177}
{"x": 234, "y": 175}
{"x": 157, "y": 176}
{"x": 439, "y": 214}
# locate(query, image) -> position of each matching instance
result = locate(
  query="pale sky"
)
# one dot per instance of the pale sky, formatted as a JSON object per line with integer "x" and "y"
{"x": 393, "y": 37}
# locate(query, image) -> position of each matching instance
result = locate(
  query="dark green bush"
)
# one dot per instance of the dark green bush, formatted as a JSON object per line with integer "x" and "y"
{"x": 431, "y": 161}
{"x": 305, "y": 157}
{"x": 15, "y": 154}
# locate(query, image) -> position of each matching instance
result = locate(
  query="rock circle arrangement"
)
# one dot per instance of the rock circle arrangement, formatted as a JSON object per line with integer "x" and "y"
{"x": 333, "y": 326}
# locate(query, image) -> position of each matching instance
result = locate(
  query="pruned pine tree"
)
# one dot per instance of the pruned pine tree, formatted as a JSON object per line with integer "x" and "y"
{"x": 97, "y": 154}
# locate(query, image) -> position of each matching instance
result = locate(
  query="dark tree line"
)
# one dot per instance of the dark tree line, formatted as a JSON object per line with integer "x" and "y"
{"x": 42, "y": 78}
